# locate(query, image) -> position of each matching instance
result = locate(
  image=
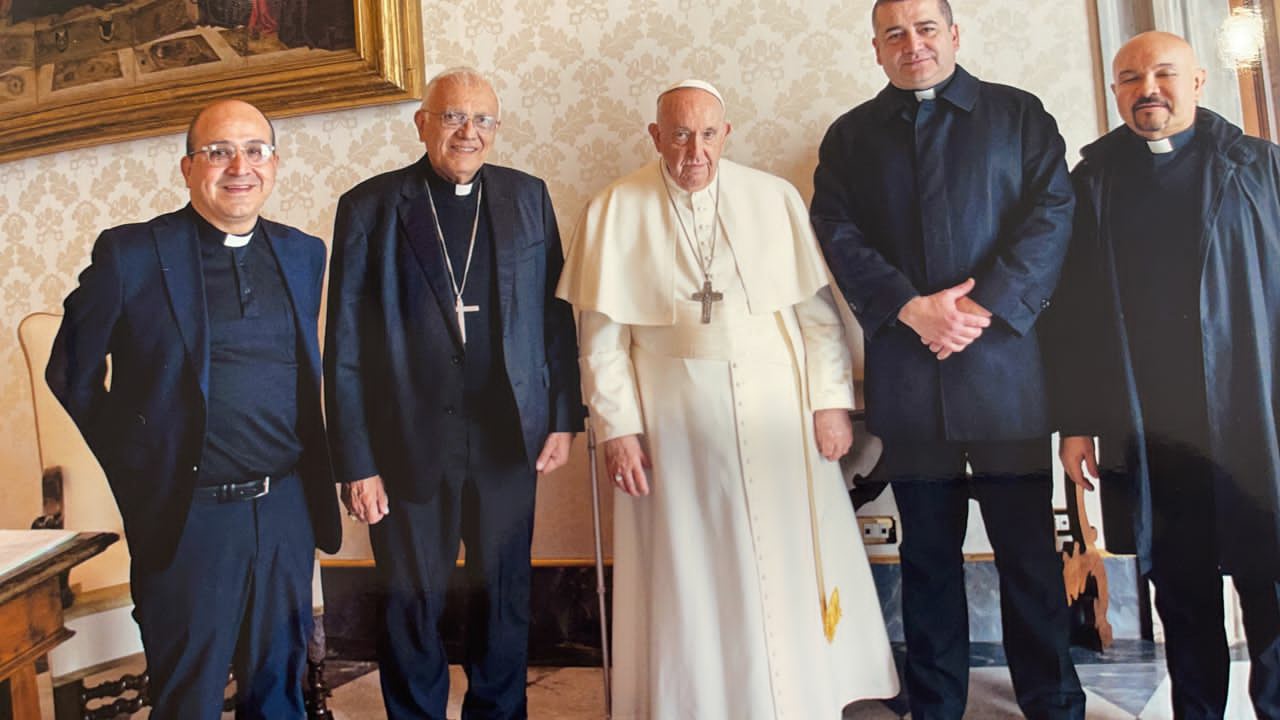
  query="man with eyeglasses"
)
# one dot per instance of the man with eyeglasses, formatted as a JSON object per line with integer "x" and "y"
{"x": 210, "y": 432}
{"x": 943, "y": 207}
{"x": 718, "y": 374}
{"x": 451, "y": 380}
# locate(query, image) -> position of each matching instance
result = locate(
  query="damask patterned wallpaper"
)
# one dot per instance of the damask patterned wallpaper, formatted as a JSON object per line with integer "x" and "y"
{"x": 577, "y": 79}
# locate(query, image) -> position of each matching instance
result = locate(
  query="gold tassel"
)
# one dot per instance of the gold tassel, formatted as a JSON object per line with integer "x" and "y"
{"x": 830, "y": 608}
{"x": 831, "y": 615}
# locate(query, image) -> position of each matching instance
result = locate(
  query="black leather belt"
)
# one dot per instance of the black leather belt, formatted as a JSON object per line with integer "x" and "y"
{"x": 234, "y": 492}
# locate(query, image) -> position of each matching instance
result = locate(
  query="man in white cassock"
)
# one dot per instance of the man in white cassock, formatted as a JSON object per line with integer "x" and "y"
{"x": 716, "y": 369}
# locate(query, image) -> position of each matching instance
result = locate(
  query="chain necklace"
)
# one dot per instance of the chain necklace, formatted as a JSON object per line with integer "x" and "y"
{"x": 459, "y": 308}
{"x": 707, "y": 295}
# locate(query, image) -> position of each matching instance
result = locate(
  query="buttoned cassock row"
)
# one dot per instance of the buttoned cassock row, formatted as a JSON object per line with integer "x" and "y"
{"x": 717, "y": 600}
{"x": 991, "y": 207}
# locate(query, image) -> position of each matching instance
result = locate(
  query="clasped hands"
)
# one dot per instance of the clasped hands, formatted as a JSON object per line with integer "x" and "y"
{"x": 947, "y": 321}
{"x": 626, "y": 461}
{"x": 366, "y": 498}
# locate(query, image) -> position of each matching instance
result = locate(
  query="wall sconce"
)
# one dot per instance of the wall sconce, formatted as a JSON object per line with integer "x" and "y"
{"x": 1241, "y": 38}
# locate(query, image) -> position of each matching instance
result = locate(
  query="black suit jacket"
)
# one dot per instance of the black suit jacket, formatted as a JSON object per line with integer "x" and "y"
{"x": 393, "y": 353}
{"x": 1004, "y": 220}
{"x": 141, "y": 301}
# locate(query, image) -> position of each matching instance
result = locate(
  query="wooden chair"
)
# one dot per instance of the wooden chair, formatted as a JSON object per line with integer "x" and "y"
{"x": 76, "y": 496}
{"x": 96, "y": 595}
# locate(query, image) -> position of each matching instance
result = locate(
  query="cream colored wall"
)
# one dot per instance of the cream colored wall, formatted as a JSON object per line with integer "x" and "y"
{"x": 577, "y": 79}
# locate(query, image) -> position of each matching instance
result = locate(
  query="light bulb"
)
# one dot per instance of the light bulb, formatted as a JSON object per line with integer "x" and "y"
{"x": 1241, "y": 38}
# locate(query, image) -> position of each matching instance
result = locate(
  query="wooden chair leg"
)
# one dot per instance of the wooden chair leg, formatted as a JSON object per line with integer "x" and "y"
{"x": 24, "y": 697}
{"x": 70, "y": 700}
{"x": 125, "y": 696}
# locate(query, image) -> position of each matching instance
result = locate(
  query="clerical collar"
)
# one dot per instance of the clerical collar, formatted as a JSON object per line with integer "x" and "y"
{"x": 932, "y": 93}
{"x": 1173, "y": 143}
{"x": 213, "y": 236}
{"x": 446, "y": 188}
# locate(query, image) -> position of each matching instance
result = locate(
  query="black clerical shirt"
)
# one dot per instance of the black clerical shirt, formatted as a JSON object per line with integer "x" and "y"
{"x": 1154, "y": 212}
{"x": 486, "y": 396}
{"x": 253, "y": 366}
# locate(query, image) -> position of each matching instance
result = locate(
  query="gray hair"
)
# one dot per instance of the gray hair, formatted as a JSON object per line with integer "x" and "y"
{"x": 463, "y": 75}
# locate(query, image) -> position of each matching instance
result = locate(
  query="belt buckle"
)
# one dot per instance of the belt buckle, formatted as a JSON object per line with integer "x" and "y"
{"x": 266, "y": 488}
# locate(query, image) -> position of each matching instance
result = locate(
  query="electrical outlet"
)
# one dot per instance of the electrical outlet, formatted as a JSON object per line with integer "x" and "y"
{"x": 878, "y": 530}
{"x": 1062, "y": 529}
{"x": 1061, "y": 523}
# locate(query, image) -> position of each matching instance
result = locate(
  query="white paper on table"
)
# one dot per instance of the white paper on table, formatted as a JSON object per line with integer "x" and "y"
{"x": 21, "y": 546}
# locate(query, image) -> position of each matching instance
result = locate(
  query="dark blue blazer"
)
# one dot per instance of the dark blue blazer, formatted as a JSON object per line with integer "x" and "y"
{"x": 1003, "y": 217}
{"x": 141, "y": 301}
{"x": 393, "y": 353}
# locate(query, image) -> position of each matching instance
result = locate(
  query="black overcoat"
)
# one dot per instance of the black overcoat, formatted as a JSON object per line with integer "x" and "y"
{"x": 1094, "y": 390}
{"x": 1000, "y": 212}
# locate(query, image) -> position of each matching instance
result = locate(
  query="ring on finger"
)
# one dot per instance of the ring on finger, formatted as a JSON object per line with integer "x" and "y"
{"x": 617, "y": 477}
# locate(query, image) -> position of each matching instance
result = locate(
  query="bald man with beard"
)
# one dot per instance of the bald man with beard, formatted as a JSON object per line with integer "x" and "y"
{"x": 1165, "y": 344}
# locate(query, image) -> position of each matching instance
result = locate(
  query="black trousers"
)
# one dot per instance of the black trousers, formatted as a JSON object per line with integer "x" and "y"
{"x": 1012, "y": 483}
{"x": 490, "y": 508}
{"x": 1188, "y": 580}
{"x": 237, "y": 595}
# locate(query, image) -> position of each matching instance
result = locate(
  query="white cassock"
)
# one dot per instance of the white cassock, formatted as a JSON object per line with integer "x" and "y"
{"x": 716, "y": 607}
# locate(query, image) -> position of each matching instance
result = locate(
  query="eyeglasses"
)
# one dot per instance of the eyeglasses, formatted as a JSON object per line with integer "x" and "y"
{"x": 456, "y": 119}
{"x": 222, "y": 154}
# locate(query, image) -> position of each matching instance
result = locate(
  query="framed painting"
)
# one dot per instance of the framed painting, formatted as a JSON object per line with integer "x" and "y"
{"x": 75, "y": 73}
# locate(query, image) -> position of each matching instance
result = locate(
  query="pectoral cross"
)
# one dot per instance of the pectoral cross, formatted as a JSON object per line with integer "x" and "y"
{"x": 462, "y": 311}
{"x": 706, "y": 297}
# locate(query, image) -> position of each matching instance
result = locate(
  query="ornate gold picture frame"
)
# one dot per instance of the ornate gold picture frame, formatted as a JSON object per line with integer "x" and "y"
{"x": 113, "y": 104}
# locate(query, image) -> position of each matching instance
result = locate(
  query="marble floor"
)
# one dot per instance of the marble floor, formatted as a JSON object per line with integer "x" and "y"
{"x": 576, "y": 694}
{"x": 1128, "y": 681}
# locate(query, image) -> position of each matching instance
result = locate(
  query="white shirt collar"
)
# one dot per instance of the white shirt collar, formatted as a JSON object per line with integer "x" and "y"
{"x": 237, "y": 241}
{"x": 1160, "y": 147}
